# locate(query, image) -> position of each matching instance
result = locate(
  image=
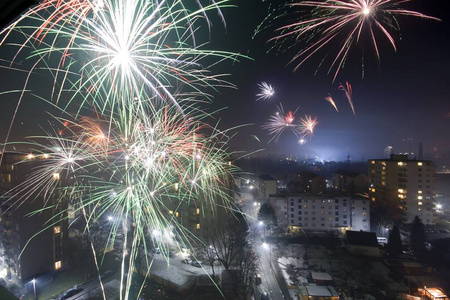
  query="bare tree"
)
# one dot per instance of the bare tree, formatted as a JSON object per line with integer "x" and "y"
{"x": 248, "y": 266}
{"x": 225, "y": 240}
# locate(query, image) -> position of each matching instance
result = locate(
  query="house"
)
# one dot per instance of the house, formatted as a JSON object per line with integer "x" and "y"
{"x": 433, "y": 294}
{"x": 321, "y": 278}
{"x": 317, "y": 292}
{"x": 362, "y": 243}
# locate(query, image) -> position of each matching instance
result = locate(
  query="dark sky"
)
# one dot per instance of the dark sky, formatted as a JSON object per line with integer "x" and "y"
{"x": 405, "y": 96}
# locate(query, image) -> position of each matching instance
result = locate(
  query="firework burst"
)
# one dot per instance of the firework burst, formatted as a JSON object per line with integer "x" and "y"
{"x": 342, "y": 23}
{"x": 147, "y": 155}
{"x": 126, "y": 49}
{"x": 267, "y": 91}
{"x": 279, "y": 122}
{"x": 147, "y": 169}
{"x": 307, "y": 125}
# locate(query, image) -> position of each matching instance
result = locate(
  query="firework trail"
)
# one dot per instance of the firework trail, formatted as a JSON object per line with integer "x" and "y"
{"x": 348, "y": 93}
{"x": 331, "y": 101}
{"x": 267, "y": 91}
{"x": 341, "y": 23}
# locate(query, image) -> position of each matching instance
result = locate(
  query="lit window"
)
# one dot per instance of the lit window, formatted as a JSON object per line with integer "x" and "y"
{"x": 176, "y": 186}
{"x": 419, "y": 164}
{"x": 198, "y": 211}
{"x": 400, "y": 191}
{"x": 198, "y": 226}
{"x": 419, "y": 197}
{"x": 58, "y": 265}
{"x": 55, "y": 176}
{"x": 171, "y": 212}
{"x": 372, "y": 162}
{"x": 420, "y": 203}
{"x": 400, "y": 163}
{"x": 57, "y": 229}
{"x": 420, "y": 192}
{"x": 176, "y": 214}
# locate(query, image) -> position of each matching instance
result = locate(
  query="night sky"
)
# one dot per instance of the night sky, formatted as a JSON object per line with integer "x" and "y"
{"x": 405, "y": 96}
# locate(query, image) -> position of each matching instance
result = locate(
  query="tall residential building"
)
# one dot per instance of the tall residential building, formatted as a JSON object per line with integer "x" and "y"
{"x": 403, "y": 188}
{"x": 30, "y": 245}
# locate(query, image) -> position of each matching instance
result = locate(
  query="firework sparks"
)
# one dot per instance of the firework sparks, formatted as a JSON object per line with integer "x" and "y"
{"x": 342, "y": 23}
{"x": 348, "y": 94}
{"x": 267, "y": 91}
{"x": 331, "y": 101}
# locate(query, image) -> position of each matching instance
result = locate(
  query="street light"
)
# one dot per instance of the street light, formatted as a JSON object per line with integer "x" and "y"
{"x": 34, "y": 287}
{"x": 261, "y": 223}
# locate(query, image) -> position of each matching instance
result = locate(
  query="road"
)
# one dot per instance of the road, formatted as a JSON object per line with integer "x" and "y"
{"x": 269, "y": 283}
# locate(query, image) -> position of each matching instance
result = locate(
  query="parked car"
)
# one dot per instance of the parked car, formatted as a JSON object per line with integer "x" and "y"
{"x": 196, "y": 263}
{"x": 69, "y": 293}
{"x": 258, "y": 280}
{"x": 186, "y": 261}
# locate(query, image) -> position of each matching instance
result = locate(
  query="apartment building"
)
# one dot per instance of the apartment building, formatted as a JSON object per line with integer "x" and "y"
{"x": 30, "y": 245}
{"x": 403, "y": 188}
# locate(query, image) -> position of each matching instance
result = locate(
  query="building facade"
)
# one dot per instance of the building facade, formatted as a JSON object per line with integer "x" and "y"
{"x": 403, "y": 188}
{"x": 302, "y": 212}
{"x": 31, "y": 243}
{"x": 350, "y": 182}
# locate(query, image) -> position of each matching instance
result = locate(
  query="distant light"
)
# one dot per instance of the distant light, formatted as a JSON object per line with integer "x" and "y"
{"x": 438, "y": 206}
{"x": 30, "y": 156}
{"x": 265, "y": 245}
{"x": 110, "y": 218}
